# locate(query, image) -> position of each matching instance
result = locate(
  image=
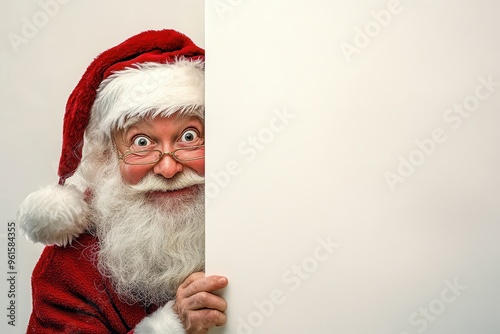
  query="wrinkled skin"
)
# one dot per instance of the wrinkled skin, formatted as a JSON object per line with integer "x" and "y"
{"x": 197, "y": 306}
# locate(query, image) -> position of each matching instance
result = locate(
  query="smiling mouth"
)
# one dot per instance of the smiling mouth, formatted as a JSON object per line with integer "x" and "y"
{"x": 173, "y": 193}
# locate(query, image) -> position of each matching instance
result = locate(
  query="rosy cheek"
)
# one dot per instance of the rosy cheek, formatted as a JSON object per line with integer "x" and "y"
{"x": 198, "y": 166}
{"x": 133, "y": 174}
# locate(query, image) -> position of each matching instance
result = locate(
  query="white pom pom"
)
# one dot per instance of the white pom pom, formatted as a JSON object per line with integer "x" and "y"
{"x": 53, "y": 215}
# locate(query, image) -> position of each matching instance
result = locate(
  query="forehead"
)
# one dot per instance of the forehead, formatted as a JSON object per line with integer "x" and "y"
{"x": 150, "y": 122}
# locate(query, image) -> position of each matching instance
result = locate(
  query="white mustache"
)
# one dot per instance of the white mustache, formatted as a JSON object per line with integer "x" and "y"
{"x": 153, "y": 182}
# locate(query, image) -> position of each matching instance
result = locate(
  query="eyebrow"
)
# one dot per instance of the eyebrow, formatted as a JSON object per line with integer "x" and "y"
{"x": 130, "y": 122}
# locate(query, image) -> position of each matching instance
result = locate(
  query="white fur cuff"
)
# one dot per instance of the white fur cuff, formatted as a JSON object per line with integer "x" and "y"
{"x": 164, "y": 320}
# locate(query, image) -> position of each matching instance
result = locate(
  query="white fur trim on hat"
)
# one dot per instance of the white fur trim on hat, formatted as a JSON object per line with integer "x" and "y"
{"x": 53, "y": 215}
{"x": 150, "y": 89}
{"x": 164, "y": 321}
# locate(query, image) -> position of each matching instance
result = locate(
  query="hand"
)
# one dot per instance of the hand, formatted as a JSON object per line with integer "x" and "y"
{"x": 197, "y": 307}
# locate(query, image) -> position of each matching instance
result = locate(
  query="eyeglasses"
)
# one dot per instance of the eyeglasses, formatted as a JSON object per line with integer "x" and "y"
{"x": 150, "y": 157}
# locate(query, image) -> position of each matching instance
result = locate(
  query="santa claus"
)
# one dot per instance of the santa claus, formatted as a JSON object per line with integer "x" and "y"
{"x": 125, "y": 225}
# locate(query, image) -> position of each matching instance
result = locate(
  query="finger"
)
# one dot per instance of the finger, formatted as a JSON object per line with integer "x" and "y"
{"x": 206, "y": 300}
{"x": 204, "y": 284}
{"x": 205, "y": 319}
{"x": 191, "y": 278}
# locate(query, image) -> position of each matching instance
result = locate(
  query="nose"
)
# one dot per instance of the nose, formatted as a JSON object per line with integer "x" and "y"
{"x": 168, "y": 167}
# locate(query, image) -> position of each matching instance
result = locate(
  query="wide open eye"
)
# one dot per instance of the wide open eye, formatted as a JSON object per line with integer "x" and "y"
{"x": 141, "y": 141}
{"x": 189, "y": 135}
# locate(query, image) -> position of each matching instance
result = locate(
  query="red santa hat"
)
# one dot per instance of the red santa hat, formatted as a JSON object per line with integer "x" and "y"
{"x": 150, "y": 74}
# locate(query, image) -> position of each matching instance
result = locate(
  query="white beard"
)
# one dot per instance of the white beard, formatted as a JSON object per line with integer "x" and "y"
{"x": 148, "y": 247}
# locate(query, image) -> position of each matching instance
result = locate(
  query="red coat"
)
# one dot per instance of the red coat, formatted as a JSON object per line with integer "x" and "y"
{"x": 70, "y": 296}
